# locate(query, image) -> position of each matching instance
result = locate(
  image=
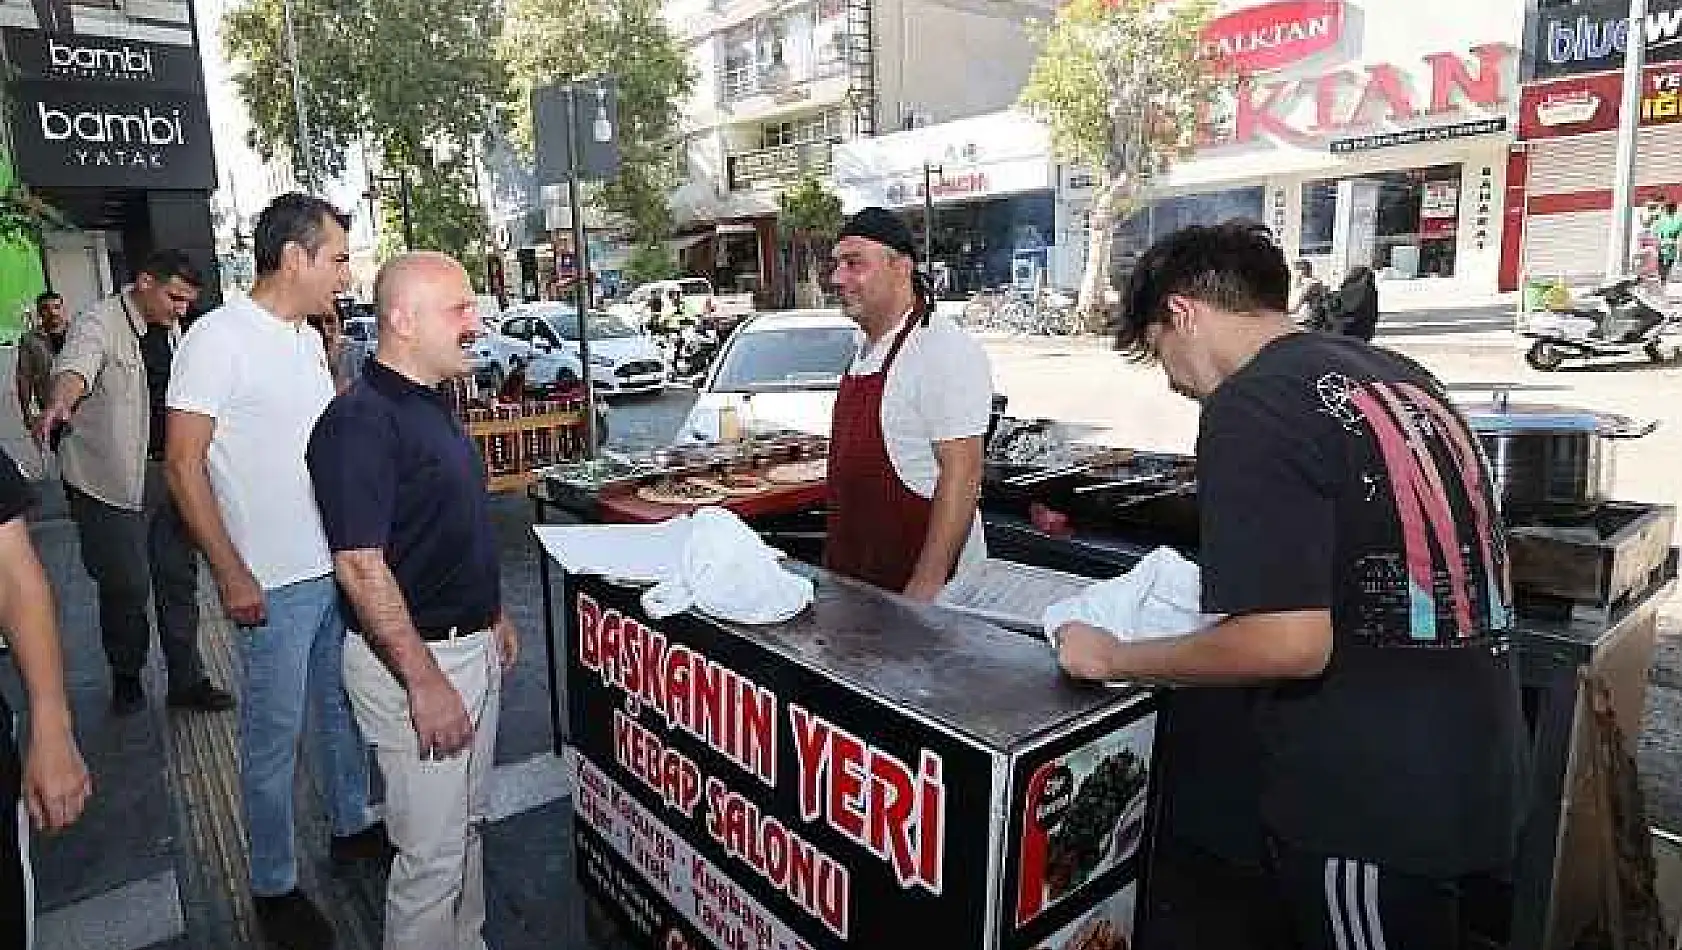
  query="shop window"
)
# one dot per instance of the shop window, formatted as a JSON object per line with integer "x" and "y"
{"x": 1319, "y": 218}
{"x": 1172, "y": 214}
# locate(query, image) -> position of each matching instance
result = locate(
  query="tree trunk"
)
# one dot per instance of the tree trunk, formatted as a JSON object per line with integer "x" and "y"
{"x": 1094, "y": 304}
{"x": 814, "y": 276}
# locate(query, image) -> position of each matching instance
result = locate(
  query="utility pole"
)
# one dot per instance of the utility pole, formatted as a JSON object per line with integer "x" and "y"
{"x": 1629, "y": 124}
{"x": 581, "y": 270}
{"x": 929, "y": 171}
{"x": 311, "y": 181}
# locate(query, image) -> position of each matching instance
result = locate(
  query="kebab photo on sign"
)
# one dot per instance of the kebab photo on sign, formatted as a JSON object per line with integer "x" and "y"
{"x": 1083, "y": 813}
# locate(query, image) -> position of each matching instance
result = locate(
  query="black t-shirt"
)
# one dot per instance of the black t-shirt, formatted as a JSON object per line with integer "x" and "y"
{"x": 1333, "y": 474}
{"x": 156, "y": 350}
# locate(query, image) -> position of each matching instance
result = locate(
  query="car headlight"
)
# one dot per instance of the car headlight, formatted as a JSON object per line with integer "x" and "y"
{"x": 598, "y": 360}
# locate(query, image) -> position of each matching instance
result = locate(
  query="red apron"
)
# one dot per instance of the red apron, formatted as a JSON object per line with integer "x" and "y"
{"x": 876, "y": 525}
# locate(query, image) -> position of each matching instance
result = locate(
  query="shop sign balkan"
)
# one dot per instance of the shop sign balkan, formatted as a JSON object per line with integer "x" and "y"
{"x": 1296, "y": 86}
{"x": 96, "y": 112}
{"x": 1592, "y": 37}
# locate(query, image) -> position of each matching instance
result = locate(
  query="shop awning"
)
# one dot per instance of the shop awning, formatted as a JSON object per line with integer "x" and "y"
{"x": 686, "y": 241}
{"x": 739, "y": 227}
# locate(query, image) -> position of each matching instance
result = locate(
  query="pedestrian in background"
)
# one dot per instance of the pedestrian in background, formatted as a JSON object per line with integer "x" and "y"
{"x": 402, "y": 497}
{"x": 105, "y": 417}
{"x": 51, "y": 784}
{"x": 1354, "y": 308}
{"x": 249, "y": 384}
{"x": 1669, "y": 229}
{"x": 37, "y": 349}
{"x": 1310, "y": 305}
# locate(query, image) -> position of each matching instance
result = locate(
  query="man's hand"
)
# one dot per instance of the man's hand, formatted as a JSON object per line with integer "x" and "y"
{"x": 56, "y": 784}
{"x": 48, "y": 420}
{"x": 442, "y": 728}
{"x": 242, "y": 597}
{"x": 924, "y": 590}
{"x": 507, "y": 642}
{"x": 1086, "y": 652}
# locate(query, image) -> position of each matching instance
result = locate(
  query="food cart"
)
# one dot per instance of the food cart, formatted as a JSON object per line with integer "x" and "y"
{"x": 907, "y": 687}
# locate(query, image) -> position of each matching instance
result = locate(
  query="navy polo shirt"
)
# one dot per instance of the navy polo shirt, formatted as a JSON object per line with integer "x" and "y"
{"x": 393, "y": 470}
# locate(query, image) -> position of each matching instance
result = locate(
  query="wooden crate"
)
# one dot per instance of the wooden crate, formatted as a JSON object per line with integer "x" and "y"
{"x": 523, "y": 474}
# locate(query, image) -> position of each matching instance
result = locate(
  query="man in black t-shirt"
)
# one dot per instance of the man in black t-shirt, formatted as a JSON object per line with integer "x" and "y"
{"x": 1350, "y": 536}
{"x": 52, "y": 784}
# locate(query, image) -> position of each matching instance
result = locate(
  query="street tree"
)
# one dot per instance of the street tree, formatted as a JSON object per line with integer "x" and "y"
{"x": 813, "y": 213}
{"x": 1125, "y": 88}
{"x": 415, "y": 80}
{"x": 550, "y": 41}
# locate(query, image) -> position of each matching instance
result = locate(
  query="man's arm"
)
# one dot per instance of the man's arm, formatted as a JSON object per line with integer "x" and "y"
{"x": 56, "y": 784}
{"x": 186, "y": 454}
{"x": 955, "y": 494}
{"x": 442, "y": 726}
{"x": 1254, "y": 648}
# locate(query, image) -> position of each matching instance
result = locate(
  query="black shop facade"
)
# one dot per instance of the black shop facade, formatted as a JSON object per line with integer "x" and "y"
{"x": 107, "y": 122}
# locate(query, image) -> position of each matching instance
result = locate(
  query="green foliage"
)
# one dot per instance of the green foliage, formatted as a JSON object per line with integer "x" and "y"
{"x": 414, "y": 79}
{"x": 24, "y": 216}
{"x": 1124, "y": 84}
{"x": 810, "y": 208}
{"x": 649, "y": 262}
{"x": 445, "y": 215}
{"x": 548, "y": 41}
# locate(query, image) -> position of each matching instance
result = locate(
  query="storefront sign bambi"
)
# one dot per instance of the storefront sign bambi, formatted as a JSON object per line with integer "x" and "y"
{"x": 1380, "y": 93}
{"x": 92, "y": 112}
{"x": 764, "y": 811}
{"x": 1272, "y": 35}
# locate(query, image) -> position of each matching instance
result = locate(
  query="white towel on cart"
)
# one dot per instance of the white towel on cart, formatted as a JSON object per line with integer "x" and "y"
{"x": 1160, "y": 597}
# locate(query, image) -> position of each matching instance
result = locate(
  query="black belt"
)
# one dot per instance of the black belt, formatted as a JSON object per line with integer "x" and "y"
{"x": 445, "y": 633}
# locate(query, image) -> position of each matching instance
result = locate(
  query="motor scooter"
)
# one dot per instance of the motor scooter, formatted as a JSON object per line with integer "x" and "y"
{"x": 1624, "y": 319}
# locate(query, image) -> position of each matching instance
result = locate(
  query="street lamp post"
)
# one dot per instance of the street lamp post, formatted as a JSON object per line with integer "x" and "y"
{"x": 298, "y": 99}
{"x": 929, "y": 171}
{"x": 401, "y": 180}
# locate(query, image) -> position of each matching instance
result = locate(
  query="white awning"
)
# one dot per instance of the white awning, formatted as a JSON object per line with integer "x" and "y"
{"x": 687, "y": 241}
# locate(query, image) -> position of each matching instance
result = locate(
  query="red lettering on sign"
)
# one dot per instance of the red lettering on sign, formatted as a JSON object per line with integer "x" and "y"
{"x": 589, "y": 632}
{"x": 1449, "y": 76}
{"x": 1326, "y": 98}
{"x": 817, "y": 883}
{"x": 1254, "y": 118}
{"x": 1387, "y": 86}
{"x": 811, "y": 753}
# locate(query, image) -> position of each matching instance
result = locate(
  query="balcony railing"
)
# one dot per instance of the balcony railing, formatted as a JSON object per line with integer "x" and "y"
{"x": 779, "y": 165}
{"x": 744, "y": 81}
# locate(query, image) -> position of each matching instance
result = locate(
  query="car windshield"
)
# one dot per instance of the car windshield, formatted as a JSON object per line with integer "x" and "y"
{"x": 603, "y": 326}
{"x": 792, "y": 358}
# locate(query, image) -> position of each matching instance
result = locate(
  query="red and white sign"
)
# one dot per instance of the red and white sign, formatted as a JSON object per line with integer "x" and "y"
{"x": 1589, "y": 103}
{"x": 1274, "y": 35}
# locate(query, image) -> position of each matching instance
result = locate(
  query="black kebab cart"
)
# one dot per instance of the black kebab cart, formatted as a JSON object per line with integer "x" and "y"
{"x": 872, "y": 772}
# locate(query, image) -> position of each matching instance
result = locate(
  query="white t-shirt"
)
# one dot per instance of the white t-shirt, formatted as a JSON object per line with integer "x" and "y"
{"x": 265, "y": 381}
{"x": 940, "y": 388}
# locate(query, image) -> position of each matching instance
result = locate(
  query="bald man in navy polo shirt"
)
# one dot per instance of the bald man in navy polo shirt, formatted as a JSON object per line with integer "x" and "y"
{"x": 402, "y": 497}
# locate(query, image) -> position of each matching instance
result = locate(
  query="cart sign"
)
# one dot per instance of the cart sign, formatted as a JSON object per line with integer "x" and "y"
{"x": 728, "y": 797}
{"x": 1274, "y": 35}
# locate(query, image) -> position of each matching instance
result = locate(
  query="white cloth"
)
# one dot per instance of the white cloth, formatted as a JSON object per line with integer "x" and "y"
{"x": 265, "y": 381}
{"x": 632, "y": 552}
{"x": 1160, "y": 597}
{"x": 940, "y": 388}
{"x": 434, "y": 810}
{"x": 727, "y": 572}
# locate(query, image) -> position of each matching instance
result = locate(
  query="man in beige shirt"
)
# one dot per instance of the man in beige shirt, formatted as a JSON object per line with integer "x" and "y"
{"x": 105, "y": 419}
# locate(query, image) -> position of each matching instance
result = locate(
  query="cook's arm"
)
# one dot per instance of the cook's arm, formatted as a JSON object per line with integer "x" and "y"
{"x": 955, "y": 494}
{"x": 1254, "y": 648}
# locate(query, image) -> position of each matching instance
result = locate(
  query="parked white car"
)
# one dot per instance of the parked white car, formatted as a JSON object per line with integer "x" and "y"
{"x": 781, "y": 370}
{"x": 544, "y": 337}
{"x": 700, "y": 301}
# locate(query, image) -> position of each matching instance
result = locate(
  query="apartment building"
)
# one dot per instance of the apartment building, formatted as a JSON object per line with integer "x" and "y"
{"x": 781, "y": 84}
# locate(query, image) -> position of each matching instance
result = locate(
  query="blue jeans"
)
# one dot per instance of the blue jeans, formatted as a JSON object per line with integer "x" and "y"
{"x": 297, "y": 653}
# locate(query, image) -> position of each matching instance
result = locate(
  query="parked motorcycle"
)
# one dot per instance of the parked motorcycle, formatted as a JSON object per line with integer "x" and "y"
{"x": 1624, "y": 319}
{"x": 690, "y": 352}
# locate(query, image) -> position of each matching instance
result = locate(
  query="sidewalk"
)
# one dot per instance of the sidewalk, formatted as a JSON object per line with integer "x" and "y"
{"x": 158, "y": 859}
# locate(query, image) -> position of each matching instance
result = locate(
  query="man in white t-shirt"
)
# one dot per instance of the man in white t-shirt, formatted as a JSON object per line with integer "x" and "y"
{"x": 910, "y": 416}
{"x": 249, "y": 382}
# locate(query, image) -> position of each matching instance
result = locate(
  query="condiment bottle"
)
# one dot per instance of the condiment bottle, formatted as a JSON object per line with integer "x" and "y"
{"x": 729, "y": 424}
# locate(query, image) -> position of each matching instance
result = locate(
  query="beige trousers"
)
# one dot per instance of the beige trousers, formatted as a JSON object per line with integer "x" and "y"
{"x": 435, "y": 899}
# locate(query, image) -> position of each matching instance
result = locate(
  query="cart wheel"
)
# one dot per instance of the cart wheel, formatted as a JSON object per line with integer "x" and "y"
{"x": 1654, "y": 353}
{"x": 1544, "y": 357}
